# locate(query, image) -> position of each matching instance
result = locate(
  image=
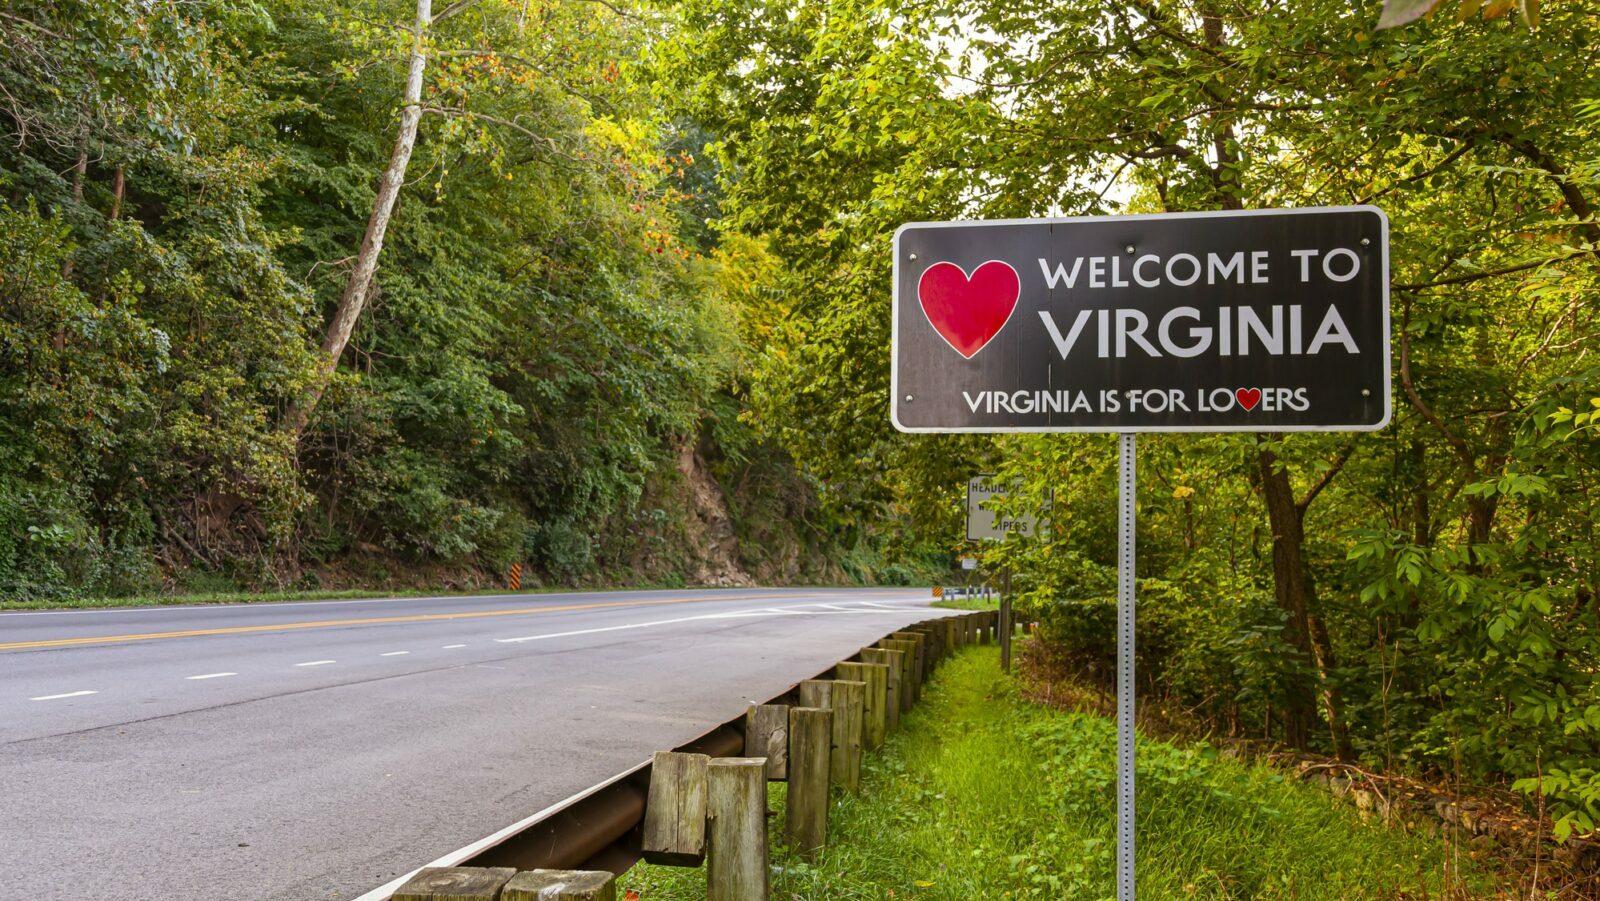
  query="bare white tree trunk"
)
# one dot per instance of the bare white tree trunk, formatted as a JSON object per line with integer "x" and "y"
{"x": 359, "y": 287}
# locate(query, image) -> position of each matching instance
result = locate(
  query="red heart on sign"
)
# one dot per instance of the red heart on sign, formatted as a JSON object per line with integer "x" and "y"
{"x": 1247, "y": 397}
{"x": 969, "y": 311}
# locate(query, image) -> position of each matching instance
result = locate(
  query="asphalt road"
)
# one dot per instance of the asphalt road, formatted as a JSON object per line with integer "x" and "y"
{"x": 316, "y": 750}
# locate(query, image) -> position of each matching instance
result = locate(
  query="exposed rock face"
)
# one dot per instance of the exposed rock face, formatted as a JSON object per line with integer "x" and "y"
{"x": 713, "y": 543}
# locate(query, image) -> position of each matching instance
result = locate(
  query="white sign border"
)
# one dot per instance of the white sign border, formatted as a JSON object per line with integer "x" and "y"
{"x": 1388, "y": 327}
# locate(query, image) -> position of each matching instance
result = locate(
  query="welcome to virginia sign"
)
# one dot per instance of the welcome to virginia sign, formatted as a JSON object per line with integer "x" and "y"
{"x": 1266, "y": 320}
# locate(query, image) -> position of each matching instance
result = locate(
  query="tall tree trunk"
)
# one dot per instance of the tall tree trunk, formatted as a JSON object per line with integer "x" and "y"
{"x": 1292, "y": 584}
{"x": 357, "y": 289}
{"x": 79, "y": 170}
{"x": 119, "y": 187}
{"x": 1296, "y": 595}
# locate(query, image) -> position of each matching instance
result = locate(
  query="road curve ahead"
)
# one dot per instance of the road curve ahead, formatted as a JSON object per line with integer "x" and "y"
{"x": 297, "y": 751}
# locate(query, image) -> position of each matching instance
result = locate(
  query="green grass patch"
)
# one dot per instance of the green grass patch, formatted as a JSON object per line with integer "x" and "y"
{"x": 983, "y": 795}
{"x": 976, "y": 602}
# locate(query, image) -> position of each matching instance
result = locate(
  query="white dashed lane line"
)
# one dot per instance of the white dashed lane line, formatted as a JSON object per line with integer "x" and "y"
{"x": 853, "y": 607}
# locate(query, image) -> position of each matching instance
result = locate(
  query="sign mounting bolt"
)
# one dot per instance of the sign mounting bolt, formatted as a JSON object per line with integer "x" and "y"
{"x": 1130, "y": 248}
{"x": 1365, "y": 241}
{"x": 913, "y": 256}
{"x": 1365, "y": 392}
{"x": 908, "y": 398}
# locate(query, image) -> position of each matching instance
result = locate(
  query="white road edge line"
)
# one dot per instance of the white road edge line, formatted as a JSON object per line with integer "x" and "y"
{"x": 316, "y": 662}
{"x": 70, "y": 694}
{"x": 737, "y": 614}
{"x": 562, "y": 596}
{"x": 210, "y": 676}
{"x": 393, "y": 653}
{"x": 455, "y": 858}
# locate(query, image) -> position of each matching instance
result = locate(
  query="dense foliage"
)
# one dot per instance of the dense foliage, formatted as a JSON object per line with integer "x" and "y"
{"x": 630, "y": 314}
{"x": 1426, "y": 596}
{"x": 554, "y": 353}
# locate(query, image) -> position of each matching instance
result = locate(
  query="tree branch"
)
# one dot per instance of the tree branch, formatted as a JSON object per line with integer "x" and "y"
{"x": 1455, "y": 441}
{"x": 1338, "y": 463}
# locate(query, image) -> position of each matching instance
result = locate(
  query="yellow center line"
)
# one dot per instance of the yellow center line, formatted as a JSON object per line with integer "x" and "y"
{"x": 377, "y": 620}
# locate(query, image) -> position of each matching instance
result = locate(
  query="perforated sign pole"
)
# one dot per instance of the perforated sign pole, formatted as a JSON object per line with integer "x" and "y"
{"x": 1227, "y": 321}
{"x": 1127, "y": 484}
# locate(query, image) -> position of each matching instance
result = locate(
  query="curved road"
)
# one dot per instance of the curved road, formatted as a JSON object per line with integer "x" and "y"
{"x": 297, "y": 751}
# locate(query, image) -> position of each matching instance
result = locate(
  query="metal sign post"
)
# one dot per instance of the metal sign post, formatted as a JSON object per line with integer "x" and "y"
{"x": 1231, "y": 321}
{"x": 1126, "y": 512}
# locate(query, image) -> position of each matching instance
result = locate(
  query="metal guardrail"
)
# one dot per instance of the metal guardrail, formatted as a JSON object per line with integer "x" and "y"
{"x": 602, "y": 828}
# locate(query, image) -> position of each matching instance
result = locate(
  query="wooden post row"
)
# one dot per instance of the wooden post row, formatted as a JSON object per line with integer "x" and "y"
{"x": 736, "y": 827}
{"x": 810, "y": 746}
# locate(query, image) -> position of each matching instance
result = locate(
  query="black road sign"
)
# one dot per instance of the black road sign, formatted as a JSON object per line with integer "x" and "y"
{"x": 1262, "y": 320}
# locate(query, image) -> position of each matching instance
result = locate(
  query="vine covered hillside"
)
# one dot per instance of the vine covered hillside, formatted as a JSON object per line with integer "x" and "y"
{"x": 550, "y": 363}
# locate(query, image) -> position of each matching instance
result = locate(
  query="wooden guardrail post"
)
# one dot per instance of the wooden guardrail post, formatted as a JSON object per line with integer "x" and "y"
{"x": 561, "y": 885}
{"x": 675, "y": 813}
{"x": 925, "y": 660}
{"x": 736, "y": 826}
{"x": 933, "y": 637}
{"x": 810, "y": 747}
{"x": 850, "y": 704}
{"x": 908, "y": 670}
{"x": 766, "y": 734}
{"x": 930, "y": 649}
{"x": 891, "y": 660}
{"x": 846, "y": 700}
{"x": 922, "y": 656}
{"x": 455, "y": 884}
{"x": 875, "y": 678}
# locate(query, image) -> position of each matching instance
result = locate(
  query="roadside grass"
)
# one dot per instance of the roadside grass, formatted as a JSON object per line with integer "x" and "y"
{"x": 976, "y": 602}
{"x": 982, "y": 795}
